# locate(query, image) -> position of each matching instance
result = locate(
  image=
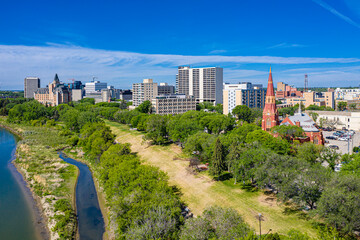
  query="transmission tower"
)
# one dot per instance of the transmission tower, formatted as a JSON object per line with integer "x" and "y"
{"x": 306, "y": 83}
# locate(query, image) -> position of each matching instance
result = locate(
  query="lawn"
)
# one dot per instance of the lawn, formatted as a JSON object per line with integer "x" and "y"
{"x": 200, "y": 191}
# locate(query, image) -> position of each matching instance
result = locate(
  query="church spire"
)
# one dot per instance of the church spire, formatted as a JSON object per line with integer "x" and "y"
{"x": 270, "y": 113}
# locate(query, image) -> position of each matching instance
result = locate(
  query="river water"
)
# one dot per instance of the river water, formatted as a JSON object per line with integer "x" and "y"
{"x": 17, "y": 219}
{"x": 90, "y": 220}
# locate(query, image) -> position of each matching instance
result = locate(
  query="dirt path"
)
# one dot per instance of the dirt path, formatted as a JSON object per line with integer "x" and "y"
{"x": 200, "y": 192}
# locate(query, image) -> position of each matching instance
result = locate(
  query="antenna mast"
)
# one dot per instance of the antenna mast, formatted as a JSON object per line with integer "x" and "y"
{"x": 306, "y": 83}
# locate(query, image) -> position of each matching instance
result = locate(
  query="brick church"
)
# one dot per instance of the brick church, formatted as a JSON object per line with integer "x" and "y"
{"x": 300, "y": 119}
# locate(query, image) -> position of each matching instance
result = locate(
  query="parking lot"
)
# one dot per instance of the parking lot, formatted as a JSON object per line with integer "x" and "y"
{"x": 343, "y": 145}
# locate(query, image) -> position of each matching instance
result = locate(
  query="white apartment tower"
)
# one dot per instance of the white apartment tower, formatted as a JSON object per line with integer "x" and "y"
{"x": 147, "y": 90}
{"x": 205, "y": 84}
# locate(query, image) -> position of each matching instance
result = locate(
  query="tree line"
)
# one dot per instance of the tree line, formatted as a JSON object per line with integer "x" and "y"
{"x": 299, "y": 173}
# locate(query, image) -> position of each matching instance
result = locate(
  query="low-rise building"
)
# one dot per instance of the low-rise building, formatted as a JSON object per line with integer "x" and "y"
{"x": 284, "y": 91}
{"x": 173, "y": 104}
{"x": 246, "y": 93}
{"x": 314, "y": 98}
{"x": 338, "y": 119}
{"x": 347, "y": 94}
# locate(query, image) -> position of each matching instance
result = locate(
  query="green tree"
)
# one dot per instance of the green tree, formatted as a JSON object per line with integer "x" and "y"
{"x": 288, "y": 132}
{"x": 341, "y": 106}
{"x": 243, "y": 113}
{"x": 309, "y": 152}
{"x": 330, "y": 156}
{"x": 340, "y": 203}
{"x": 144, "y": 107}
{"x": 218, "y": 164}
{"x": 314, "y": 116}
{"x": 352, "y": 106}
{"x": 156, "y": 129}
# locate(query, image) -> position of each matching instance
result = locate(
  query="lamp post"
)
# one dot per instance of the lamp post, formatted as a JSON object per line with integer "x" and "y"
{"x": 260, "y": 223}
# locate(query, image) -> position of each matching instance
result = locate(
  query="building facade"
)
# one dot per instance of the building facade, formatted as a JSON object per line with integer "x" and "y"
{"x": 347, "y": 94}
{"x": 31, "y": 85}
{"x": 144, "y": 91}
{"x": 270, "y": 112}
{"x": 339, "y": 119}
{"x": 165, "y": 89}
{"x": 173, "y": 104}
{"x": 56, "y": 93}
{"x": 285, "y": 91}
{"x": 205, "y": 84}
{"x": 94, "y": 87}
{"x": 314, "y": 98}
{"x": 246, "y": 93}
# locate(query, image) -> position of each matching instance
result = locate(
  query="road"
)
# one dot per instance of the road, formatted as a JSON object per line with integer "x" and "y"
{"x": 343, "y": 145}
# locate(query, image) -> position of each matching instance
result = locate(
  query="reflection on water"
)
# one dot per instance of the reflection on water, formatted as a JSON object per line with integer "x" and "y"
{"x": 90, "y": 219}
{"x": 16, "y": 217}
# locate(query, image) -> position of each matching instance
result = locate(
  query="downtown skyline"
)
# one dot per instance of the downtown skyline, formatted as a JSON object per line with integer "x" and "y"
{"x": 122, "y": 43}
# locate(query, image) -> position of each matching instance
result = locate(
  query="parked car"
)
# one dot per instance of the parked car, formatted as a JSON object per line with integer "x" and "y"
{"x": 334, "y": 146}
{"x": 337, "y": 167}
{"x": 343, "y": 139}
{"x": 337, "y": 134}
{"x": 332, "y": 137}
{"x": 352, "y": 132}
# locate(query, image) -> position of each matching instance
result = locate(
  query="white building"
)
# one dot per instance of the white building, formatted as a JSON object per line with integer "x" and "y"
{"x": 251, "y": 95}
{"x": 94, "y": 87}
{"x": 205, "y": 84}
{"x": 340, "y": 119}
{"x": 347, "y": 94}
{"x": 173, "y": 104}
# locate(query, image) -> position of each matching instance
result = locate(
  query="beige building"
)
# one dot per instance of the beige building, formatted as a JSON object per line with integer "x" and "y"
{"x": 281, "y": 86}
{"x": 56, "y": 93}
{"x": 313, "y": 98}
{"x": 77, "y": 94}
{"x": 144, "y": 91}
{"x": 173, "y": 104}
{"x": 245, "y": 93}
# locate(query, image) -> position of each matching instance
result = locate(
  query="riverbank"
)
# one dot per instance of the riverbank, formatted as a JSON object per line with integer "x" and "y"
{"x": 47, "y": 176}
{"x": 78, "y": 155}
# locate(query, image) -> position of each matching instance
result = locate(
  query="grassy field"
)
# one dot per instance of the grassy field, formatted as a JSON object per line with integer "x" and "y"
{"x": 200, "y": 191}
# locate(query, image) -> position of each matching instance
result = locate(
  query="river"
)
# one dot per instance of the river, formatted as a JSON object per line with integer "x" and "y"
{"x": 90, "y": 220}
{"x": 17, "y": 218}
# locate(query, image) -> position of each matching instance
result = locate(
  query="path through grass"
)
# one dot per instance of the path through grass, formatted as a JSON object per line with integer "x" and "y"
{"x": 200, "y": 191}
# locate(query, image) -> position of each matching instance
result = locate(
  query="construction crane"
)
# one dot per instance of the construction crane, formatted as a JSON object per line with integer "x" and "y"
{"x": 93, "y": 78}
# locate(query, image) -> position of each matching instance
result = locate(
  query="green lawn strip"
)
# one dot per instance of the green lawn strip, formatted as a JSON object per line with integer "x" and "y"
{"x": 230, "y": 195}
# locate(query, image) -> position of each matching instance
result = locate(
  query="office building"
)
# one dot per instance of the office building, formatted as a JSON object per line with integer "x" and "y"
{"x": 165, "y": 89}
{"x": 251, "y": 95}
{"x": 31, "y": 85}
{"x": 144, "y": 91}
{"x": 77, "y": 94}
{"x": 285, "y": 91}
{"x": 173, "y": 104}
{"x": 320, "y": 99}
{"x": 94, "y": 87}
{"x": 125, "y": 95}
{"x": 205, "y": 84}
{"x": 347, "y": 94}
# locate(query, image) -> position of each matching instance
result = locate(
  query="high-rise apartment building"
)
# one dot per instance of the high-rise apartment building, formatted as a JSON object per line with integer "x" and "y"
{"x": 31, "y": 85}
{"x": 251, "y": 95}
{"x": 205, "y": 84}
{"x": 144, "y": 91}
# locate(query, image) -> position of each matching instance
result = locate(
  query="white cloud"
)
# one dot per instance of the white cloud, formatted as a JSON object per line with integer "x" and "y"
{"x": 286, "y": 45}
{"x": 336, "y": 13}
{"x": 122, "y": 68}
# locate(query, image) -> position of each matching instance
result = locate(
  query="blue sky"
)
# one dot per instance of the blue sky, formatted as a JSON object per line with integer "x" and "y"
{"x": 122, "y": 42}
